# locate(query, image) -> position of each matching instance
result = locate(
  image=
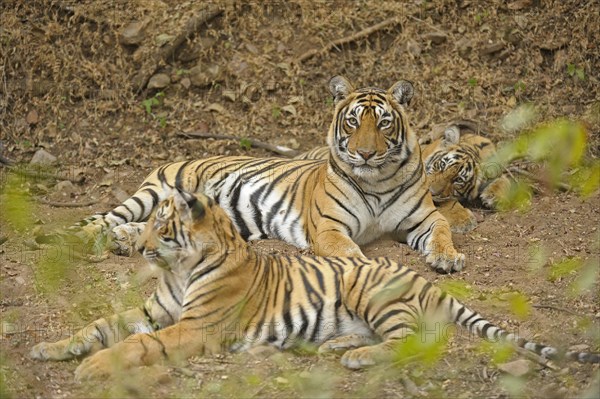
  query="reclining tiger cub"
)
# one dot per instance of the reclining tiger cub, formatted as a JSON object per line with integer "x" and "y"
{"x": 372, "y": 184}
{"x": 454, "y": 157}
{"x": 216, "y": 293}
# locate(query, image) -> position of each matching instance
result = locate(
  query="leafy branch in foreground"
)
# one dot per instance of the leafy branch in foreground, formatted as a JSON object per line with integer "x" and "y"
{"x": 559, "y": 147}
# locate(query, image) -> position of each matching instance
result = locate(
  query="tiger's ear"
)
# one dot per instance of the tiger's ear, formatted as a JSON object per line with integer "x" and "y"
{"x": 452, "y": 135}
{"x": 188, "y": 206}
{"x": 340, "y": 87}
{"x": 402, "y": 91}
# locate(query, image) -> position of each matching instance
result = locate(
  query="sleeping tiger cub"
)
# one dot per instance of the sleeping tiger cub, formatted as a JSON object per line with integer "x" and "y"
{"x": 372, "y": 184}
{"x": 454, "y": 160}
{"x": 216, "y": 293}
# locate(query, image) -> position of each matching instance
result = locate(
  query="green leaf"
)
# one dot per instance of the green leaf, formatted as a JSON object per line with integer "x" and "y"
{"x": 564, "y": 268}
{"x": 580, "y": 73}
{"x": 587, "y": 278}
{"x": 472, "y": 82}
{"x": 571, "y": 69}
{"x": 275, "y": 111}
{"x": 458, "y": 289}
{"x": 500, "y": 351}
{"x": 245, "y": 143}
{"x": 519, "y": 305}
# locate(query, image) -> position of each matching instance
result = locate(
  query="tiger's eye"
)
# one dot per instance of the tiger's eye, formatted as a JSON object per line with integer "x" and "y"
{"x": 352, "y": 121}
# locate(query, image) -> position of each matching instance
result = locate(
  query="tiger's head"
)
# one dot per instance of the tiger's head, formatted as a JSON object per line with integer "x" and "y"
{"x": 370, "y": 129}
{"x": 185, "y": 231}
{"x": 452, "y": 168}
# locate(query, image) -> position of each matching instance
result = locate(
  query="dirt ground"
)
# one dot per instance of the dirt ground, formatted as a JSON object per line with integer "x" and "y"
{"x": 74, "y": 82}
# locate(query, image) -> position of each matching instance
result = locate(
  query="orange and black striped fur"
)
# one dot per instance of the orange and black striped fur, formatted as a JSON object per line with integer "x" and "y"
{"x": 455, "y": 163}
{"x": 218, "y": 294}
{"x": 372, "y": 184}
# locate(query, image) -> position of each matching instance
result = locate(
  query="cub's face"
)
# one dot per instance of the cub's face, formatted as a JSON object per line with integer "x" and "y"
{"x": 369, "y": 130}
{"x": 451, "y": 175}
{"x": 178, "y": 231}
{"x": 451, "y": 168}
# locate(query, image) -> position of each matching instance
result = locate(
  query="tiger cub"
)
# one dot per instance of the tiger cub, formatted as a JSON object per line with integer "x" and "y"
{"x": 218, "y": 294}
{"x": 372, "y": 184}
{"x": 456, "y": 168}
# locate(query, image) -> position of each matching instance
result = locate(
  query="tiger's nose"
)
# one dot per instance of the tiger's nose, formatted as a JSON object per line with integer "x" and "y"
{"x": 366, "y": 154}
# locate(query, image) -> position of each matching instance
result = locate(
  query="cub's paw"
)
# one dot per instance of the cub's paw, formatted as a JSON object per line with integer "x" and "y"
{"x": 344, "y": 343}
{"x": 496, "y": 192}
{"x": 443, "y": 263}
{"x": 123, "y": 238}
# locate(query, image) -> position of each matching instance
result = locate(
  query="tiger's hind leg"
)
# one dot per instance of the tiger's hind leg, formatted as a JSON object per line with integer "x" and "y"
{"x": 461, "y": 219}
{"x": 102, "y": 333}
{"x": 345, "y": 342}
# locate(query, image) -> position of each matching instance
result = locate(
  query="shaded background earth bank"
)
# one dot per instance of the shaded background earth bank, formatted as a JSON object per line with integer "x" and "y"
{"x": 107, "y": 88}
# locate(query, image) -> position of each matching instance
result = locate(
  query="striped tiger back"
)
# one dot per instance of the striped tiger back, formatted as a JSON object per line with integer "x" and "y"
{"x": 219, "y": 294}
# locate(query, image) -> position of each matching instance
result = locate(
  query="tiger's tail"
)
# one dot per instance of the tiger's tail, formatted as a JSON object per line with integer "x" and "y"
{"x": 477, "y": 324}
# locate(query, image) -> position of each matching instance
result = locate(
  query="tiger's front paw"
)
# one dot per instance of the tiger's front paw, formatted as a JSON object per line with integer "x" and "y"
{"x": 55, "y": 351}
{"x": 446, "y": 263}
{"x": 123, "y": 238}
{"x": 344, "y": 343}
{"x": 366, "y": 356}
{"x": 462, "y": 223}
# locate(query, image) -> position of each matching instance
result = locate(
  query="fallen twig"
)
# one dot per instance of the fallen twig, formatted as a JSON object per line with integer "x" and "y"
{"x": 537, "y": 306}
{"x": 39, "y": 174}
{"x": 537, "y": 358}
{"x": 348, "y": 39}
{"x": 66, "y": 204}
{"x": 277, "y": 149}
{"x": 191, "y": 27}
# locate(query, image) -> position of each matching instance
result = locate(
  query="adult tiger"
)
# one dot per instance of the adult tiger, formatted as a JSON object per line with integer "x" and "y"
{"x": 372, "y": 184}
{"x": 455, "y": 164}
{"x": 216, "y": 293}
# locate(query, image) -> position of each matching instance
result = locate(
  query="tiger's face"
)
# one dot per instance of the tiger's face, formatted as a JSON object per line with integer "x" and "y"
{"x": 452, "y": 169}
{"x": 369, "y": 129}
{"x": 184, "y": 230}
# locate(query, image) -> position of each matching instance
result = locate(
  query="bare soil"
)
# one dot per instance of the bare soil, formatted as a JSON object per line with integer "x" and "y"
{"x": 70, "y": 86}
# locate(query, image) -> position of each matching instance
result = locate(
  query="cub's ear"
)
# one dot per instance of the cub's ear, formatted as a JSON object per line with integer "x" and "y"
{"x": 402, "y": 91}
{"x": 340, "y": 87}
{"x": 452, "y": 134}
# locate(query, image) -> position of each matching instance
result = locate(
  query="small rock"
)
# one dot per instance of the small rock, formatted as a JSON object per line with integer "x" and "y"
{"x": 205, "y": 75}
{"x": 65, "y": 186}
{"x": 436, "y": 37}
{"x": 162, "y": 39}
{"x": 159, "y": 81}
{"x": 186, "y": 82}
{"x": 281, "y": 380}
{"x": 262, "y": 351}
{"x": 133, "y": 33}
{"x": 32, "y": 117}
{"x": 42, "y": 157}
{"x": 464, "y": 47}
{"x": 579, "y": 348}
{"x": 31, "y": 244}
{"x": 491, "y": 48}
{"x": 518, "y": 368}
{"x": 413, "y": 48}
